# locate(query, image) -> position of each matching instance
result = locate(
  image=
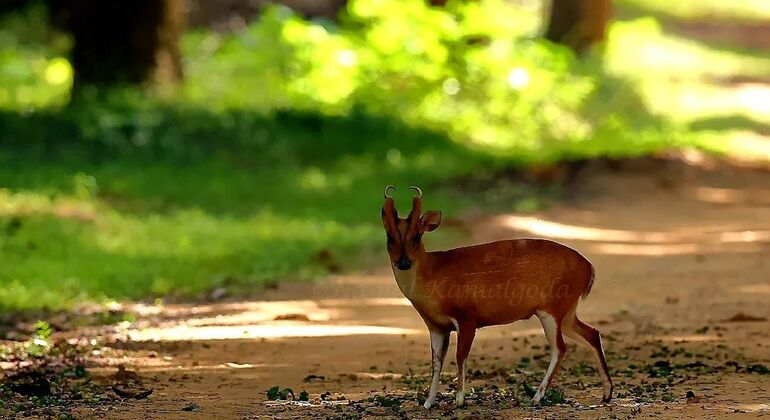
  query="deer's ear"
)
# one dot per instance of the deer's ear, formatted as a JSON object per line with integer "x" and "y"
{"x": 389, "y": 214}
{"x": 430, "y": 220}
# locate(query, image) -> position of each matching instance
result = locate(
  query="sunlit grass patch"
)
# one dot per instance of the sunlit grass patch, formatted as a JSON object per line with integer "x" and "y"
{"x": 700, "y": 89}
{"x": 51, "y": 262}
{"x": 138, "y": 226}
{"x": 745, "y": 10}
{"x": 51, "y": 259}
{"x": 640, "y": 49}
{"x": 742, "y": 145}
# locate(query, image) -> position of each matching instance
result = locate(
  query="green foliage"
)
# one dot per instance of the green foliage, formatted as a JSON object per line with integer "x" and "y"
{"x": 758, "y": 368}
{"x": 33, "y": 70}
{"x": 303, "y": 396}
{"x": 553, "y": 396}
{"x": 470, "y": 70}
{"x": 527, "y": 389}
{"x": 40, "y": 343}
{"x": 276, "y": 393}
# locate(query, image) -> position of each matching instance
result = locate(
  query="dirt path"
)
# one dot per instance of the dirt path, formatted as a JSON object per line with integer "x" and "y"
{"x": 679, "y": 251}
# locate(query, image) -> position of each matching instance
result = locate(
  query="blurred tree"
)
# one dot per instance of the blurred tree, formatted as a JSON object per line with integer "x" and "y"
{"x": 119, "y": 42}
{"x": 578, "y": 24}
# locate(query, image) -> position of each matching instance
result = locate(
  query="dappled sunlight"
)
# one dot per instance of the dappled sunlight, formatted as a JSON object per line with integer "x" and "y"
{"x": 748, "y": 146}
{"x": 678, "y": 241}
{"x": 233, "y": 313}
{"x": 731, "y": 195}
{"x": 525, "y": 333}
{"x": 558, "y": 230}
{"x": 148, "y": 365}
{"x": 688, "y": 338}
{"x": 745, "y": 236}
{"x": 643, "y": 46}
{"x": 698, "y": 100}
{"x": 29, "y": 203}
{"x": 761, "y": 288}
{"x": 660, "y": 250}
{"x": 645, "y": 250}
{"x": 227, "y": 332}
{"x": 264, "y": 319}
{"x": 751, "y": 407}
{"x": 378, "y": 376}
{"x": 746, "y": 10}
{"x": 687, "y": 80}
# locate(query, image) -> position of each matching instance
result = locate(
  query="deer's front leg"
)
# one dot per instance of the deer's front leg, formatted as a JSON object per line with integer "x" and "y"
{"x": 439, "y": 343}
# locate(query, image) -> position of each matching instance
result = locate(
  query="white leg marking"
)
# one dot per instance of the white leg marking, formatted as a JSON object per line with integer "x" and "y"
{"x": 551, "y": 330}
{"x": 460, "y": 398}
{"x": 606, "y": 381}
{"x": 439, "y": 343}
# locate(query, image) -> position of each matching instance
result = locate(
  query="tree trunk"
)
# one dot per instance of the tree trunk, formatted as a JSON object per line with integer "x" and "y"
{"x": 578, "y": 24}
{"x": 123, "y": 42}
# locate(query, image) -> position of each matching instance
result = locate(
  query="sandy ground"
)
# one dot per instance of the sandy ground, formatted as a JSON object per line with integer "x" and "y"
{"x": 679, "y": 250}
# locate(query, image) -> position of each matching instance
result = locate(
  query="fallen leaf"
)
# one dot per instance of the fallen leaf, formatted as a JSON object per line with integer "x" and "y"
{"x": 191, "y": 407}
{"x": 291, "y": 317}
{"x": 135, "y": 395}
{"x": 741, "y": 317}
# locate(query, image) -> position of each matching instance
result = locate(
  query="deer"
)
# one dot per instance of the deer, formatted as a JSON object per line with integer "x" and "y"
{"x": 496, "y": 283}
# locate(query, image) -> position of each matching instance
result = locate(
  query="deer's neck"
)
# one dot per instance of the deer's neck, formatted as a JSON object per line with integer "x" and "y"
{"x": 409, "y": 280}
{"x": 406, "y": 281}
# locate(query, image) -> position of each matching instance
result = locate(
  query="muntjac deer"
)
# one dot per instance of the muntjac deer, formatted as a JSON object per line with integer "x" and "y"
{"x": 464, "y": 289}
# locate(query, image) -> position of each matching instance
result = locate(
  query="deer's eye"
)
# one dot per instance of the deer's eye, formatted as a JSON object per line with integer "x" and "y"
{"x": 416, "y": 240}
{"x": 390, "y": 239}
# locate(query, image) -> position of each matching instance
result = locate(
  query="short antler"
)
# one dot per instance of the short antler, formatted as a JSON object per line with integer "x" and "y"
{"x": 417, "y": 192}
{"x": 389, "y": 188}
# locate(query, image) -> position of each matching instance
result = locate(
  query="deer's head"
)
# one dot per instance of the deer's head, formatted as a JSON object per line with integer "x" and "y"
{"x": 404, "y": 236}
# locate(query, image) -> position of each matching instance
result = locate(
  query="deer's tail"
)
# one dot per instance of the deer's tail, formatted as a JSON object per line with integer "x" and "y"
{"x": 590, "y": 282}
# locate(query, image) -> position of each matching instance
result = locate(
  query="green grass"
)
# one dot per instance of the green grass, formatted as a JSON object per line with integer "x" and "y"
{"x": 96, "y": 224}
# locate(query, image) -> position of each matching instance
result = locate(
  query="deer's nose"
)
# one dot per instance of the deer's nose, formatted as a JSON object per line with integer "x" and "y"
{"x": 403, "y": 264}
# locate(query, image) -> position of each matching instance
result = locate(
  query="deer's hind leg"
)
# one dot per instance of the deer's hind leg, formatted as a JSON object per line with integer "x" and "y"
{"x": 553, "y": 333}
{"x": 588, "y": 335}
{"x": 466, "y": 332}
